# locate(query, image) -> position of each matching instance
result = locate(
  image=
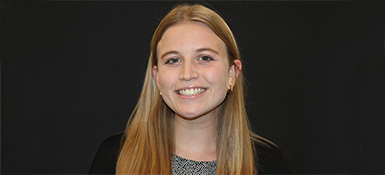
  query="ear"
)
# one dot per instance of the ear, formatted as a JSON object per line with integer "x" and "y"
{"x": 155, "y": 72}
{"x": 234, "y": 71}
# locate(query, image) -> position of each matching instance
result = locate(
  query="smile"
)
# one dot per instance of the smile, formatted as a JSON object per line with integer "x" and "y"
{"x": 190, "y": 92}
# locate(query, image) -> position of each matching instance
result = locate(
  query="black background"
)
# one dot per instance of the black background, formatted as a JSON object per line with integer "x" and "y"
{"x": 71, "y": 73}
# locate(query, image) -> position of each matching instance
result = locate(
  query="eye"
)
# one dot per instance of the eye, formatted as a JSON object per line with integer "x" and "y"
{"x": 205, "y": 58}
{"x": 172, "y": 61}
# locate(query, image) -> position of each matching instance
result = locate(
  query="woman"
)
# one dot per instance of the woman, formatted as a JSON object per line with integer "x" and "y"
{"x": 190, "y": 117}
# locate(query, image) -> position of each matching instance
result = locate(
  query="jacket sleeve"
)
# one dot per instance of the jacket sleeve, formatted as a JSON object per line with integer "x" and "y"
{"x": 272, "y": 160}
{"x": 106, "y": 157}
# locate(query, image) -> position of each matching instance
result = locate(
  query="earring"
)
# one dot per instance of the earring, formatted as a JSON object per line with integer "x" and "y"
{"x": 160, "y": 93}
{"x": 231, "y": 88}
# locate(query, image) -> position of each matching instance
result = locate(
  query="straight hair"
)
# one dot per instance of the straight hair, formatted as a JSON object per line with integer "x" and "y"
{"x": 148, "y": 141}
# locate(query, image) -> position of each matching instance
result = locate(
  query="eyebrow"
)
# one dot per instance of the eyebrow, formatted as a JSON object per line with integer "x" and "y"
{"x": 169, "y": 52}
{"x": 198, "y": 50}
{"x": 208, "y": 49}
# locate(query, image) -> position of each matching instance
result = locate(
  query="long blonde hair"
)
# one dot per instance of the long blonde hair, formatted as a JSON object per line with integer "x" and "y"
{"x": 148, "y": 140}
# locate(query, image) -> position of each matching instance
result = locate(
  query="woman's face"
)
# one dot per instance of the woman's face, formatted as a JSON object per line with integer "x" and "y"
{"x": 193, "y": 70}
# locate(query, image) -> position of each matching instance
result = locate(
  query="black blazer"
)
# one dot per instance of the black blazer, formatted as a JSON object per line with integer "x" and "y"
{"x": 270, "y": 160}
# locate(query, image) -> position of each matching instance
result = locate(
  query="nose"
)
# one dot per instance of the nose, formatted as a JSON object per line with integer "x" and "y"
{"x": 188, "y": 71}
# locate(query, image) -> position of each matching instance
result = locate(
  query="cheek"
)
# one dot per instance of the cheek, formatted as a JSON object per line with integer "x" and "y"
{"x": 218, "y": 76}
{"x": 165, "y": 78}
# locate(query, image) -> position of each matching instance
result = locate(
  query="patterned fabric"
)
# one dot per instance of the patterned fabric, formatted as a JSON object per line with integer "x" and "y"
{"x": 191, "y": 167}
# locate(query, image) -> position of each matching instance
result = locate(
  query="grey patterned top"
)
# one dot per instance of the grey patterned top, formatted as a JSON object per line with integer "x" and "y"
{"x": 191, "y": 167}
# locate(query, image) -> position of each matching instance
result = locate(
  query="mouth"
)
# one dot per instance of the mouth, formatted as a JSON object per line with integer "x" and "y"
{"x": 191, "y": 91}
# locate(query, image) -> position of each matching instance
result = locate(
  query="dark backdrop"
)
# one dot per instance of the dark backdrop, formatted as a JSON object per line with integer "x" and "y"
{"x": 72, "y": 72}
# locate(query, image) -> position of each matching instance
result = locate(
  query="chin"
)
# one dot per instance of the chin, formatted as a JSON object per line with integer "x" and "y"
{"x": 190, "y": 115}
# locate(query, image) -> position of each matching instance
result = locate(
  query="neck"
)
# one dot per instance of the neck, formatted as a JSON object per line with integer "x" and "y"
{"x": 196, "y": 139}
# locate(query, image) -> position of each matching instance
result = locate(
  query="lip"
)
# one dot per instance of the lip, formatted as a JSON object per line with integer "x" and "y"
{"x": 191, "y": 96}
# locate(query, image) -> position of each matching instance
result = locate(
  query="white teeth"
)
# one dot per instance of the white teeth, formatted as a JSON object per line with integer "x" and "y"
{"x": 188, "y": 92}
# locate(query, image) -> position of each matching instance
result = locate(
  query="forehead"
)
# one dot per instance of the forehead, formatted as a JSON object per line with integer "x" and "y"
{"x": 190, "y": 35}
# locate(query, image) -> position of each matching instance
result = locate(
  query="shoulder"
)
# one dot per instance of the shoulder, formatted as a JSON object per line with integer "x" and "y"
{"x": 107, "y": 155}
{"x": 112, "y": 141}
{"x": 271, "y": 159}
